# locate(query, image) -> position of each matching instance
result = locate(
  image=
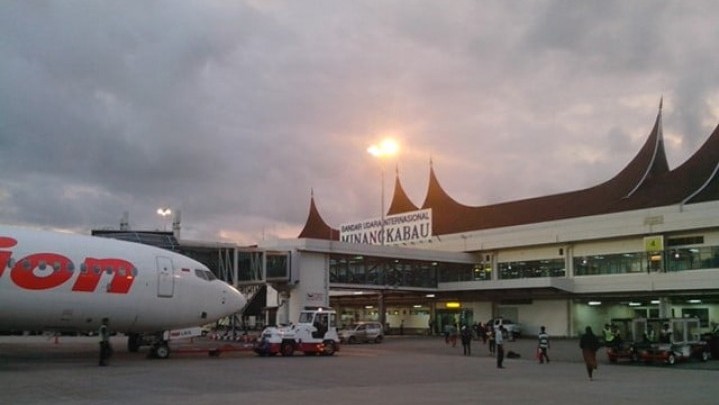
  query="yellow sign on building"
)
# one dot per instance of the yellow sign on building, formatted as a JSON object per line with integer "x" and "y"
{"x": 654, "y": 243}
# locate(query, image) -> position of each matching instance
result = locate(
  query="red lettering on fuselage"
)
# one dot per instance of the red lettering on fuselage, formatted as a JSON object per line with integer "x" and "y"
{"x": 43, "y": 271}
{"x": 121, "y": 280}
{"x": 5, "y": 243}
{"x": 57, "y": 267}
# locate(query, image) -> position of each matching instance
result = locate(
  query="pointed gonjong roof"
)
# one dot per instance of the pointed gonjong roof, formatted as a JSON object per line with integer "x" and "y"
{"x": 645, "y": 182}
{"x": 448, "y": 216}
{"x": 696, "y": 180}
{"x": 707, "y": 157}
{"x": 400, "y": 202}
{"x": 316, "y": 227}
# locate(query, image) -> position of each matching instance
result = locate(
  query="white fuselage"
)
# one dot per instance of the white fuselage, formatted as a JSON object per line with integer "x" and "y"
{"x": 59, "y": 281}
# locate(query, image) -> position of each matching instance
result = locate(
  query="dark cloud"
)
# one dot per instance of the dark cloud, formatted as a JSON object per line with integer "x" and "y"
{"x": 233, "y": 112}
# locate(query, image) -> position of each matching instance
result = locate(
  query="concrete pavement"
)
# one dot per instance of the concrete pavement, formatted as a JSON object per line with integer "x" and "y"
{"x": 402, "y": 370}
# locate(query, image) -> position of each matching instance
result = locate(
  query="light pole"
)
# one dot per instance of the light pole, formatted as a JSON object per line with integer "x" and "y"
{"x": 387, "y": 147}
{"x": 164, "y": 212}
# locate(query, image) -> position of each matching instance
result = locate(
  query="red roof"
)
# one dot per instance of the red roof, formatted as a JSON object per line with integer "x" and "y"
{"x": 645, "y": 182}
{"x": 316, "y": 227}
{"x": 400, "y": 202}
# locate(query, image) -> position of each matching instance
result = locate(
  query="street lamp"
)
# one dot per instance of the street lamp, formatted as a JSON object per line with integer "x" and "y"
{"x": 164, "y": 212}
{"x": 387, "y": 147}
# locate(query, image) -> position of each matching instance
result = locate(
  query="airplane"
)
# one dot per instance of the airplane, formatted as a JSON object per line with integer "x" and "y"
{"x": 54, "y": 281}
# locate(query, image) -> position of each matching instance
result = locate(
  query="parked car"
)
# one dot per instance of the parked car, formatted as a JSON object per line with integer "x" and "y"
{"x": 362, "y": 332}
{"x": 671, "y": 353}
{"x": 511, "y": 329}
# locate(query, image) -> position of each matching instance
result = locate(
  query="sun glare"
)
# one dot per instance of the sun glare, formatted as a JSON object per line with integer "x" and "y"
{"x": 387, "y": 147}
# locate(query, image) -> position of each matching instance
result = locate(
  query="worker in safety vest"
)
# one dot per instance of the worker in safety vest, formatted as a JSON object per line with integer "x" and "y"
{"x": 608, "y": 335}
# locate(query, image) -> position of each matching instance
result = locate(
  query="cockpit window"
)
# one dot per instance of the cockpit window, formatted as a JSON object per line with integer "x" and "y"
{"x": 205, "y": 274}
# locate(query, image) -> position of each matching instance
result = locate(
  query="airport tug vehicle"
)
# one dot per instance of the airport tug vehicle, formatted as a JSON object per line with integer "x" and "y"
{"x": 315, "y": 333}
{"x": 665, "y": 340}
{"x": 683, "y": 342}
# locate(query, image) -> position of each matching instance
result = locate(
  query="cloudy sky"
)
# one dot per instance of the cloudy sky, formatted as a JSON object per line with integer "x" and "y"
{"x": 233, "y": 111}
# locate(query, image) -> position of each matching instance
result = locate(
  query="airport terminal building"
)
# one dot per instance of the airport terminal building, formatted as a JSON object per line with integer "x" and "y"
{"x": 643, "y": 243}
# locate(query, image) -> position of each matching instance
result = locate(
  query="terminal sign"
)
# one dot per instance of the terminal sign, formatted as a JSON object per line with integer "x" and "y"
{"x": 408, "y": 227}
{"x": 654, "y": 243}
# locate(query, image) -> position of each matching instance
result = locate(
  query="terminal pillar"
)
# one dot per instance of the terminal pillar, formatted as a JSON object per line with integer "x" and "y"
{"x": 283, "y": 308}
{"x": 665, "y": 307}
{"x": 568, "y": 252}
{"x": 381, "y": 310}
{"x": 432, "y": 318}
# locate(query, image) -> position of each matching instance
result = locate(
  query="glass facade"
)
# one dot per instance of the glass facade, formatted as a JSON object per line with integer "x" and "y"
{"x": 367, "y": 270}
{"x": 621, "y": 263}
{"x": 671, "y": 260}
{"x": 532, "y": 269}
{"x": 381, "y": 271}
{"x": 249, "y": 267}
{"x": 277, "y": 266}
{"x": 474, "y": 272}
{"x": 692, "y": 258}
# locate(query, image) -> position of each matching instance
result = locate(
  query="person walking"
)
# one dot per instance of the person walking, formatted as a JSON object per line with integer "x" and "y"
{"x": 453, "y": 335}
{"x": 499, "y": 342}
{"x": 482, "y": 333}
{"x": 467, "y": 340}
{"x": 589, "y": 343}
{"x": 490, "y": 336}
{"x": 105, "y": 348}
{"x": 543, "y": 345}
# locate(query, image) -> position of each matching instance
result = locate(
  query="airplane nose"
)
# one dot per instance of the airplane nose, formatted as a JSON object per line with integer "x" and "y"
{"x": 236, "y": 301}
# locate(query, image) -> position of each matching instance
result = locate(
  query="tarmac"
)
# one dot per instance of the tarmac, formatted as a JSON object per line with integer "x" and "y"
{"x": 401, "y": 370}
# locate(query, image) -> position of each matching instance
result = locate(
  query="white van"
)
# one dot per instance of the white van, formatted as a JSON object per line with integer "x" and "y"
{"x": 362, "y": 332}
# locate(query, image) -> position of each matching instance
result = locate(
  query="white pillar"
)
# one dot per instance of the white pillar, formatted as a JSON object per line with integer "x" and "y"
{"x": 665, "y": 308}
{"x": 283, "y": 308}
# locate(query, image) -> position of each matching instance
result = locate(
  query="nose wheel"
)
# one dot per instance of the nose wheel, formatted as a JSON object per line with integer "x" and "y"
{"x": 161, "y": 350}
